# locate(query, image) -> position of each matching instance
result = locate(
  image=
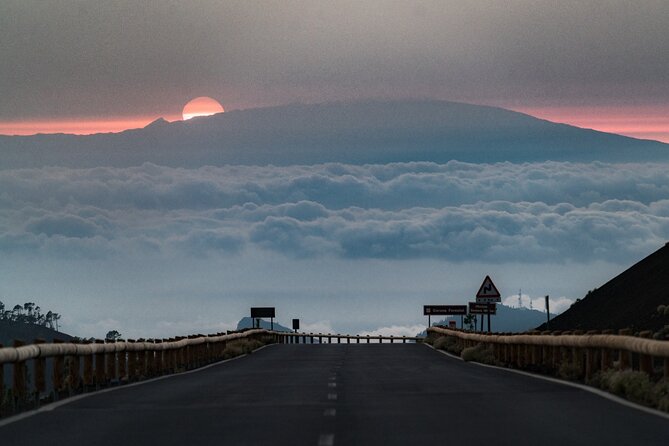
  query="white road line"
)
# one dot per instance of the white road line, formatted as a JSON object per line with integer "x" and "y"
{"x": 332, "y": 396}
{"x": 330, "y": 412}
{"x": 326, "y": 440}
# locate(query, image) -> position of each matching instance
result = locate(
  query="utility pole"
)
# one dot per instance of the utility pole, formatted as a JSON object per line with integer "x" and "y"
{"x": 548, "y": 314}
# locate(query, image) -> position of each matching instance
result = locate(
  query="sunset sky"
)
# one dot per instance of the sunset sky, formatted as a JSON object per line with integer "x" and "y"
{"x": 85, "y": 67}
{"x": 153, "y": 248}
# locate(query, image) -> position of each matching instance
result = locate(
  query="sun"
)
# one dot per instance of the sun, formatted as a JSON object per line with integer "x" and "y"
{"x": 201, "y": 106}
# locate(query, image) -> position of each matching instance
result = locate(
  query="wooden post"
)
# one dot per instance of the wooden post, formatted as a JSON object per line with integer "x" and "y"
{"x": 132, "y": 362}
{"x": 88, "y": 370}
{"x": 58, "y": 371}
{"x": 2, "y": 382}
{"x": 40, "y": 372}
{"x": 100, "y": 367}
{"x": 646, "y": 361}
{"x": 19, "y": 378}
{"x": 110, "y": 364}
{"x": 624, "y": 356}
{"x": 368, "y": 339}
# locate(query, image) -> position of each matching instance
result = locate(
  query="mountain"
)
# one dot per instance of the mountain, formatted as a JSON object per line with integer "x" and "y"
{"x": 247, "y": 322}
{"x": 507, "y": 319}
{"x": 10, "y": 330}
{"x": 629, "y": 300}
{"x": 354, "y": 133}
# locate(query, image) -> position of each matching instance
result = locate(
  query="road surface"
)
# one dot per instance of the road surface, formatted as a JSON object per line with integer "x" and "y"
{"x": 401, "y": 394}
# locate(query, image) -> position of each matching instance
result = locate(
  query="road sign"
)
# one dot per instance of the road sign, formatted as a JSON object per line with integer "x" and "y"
{"x": 296, "y": 324}
{"x": 488, "y": 291}
{"x": 482, "y": 308}
{"x": 449, "y": 310}
{"x": 257, "y": 312}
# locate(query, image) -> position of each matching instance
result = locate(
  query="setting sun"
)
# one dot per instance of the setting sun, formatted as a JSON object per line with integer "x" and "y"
{"x": 201, "y": 106}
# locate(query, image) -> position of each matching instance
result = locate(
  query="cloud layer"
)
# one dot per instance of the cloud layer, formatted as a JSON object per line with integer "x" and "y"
{"x": 542, "y": 212}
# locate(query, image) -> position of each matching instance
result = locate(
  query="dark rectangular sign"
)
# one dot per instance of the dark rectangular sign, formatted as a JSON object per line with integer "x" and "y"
{"x": 262, "y": 312}
{"x": 477, "y": 308}
{"x": 296, "y": 324}
{"x": 450, "y": 310}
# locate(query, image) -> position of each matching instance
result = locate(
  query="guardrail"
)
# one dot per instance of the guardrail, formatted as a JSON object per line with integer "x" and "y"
{"x": 295, "y": 338}
{"x": 584, "y": 353}
{"x": 79, "y": 367}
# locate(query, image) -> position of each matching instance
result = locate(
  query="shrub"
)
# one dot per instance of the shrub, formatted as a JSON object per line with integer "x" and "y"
{"x": 449, "y": 343}
{"x": 479, "y": 353}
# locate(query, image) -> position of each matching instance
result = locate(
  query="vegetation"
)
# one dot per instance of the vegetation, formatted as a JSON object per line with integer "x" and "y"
{"x": 29, "y": 313}
{"x": 479, "y": 353}
{"x": 241, "y": 347}
{"x": 634, "y": 386}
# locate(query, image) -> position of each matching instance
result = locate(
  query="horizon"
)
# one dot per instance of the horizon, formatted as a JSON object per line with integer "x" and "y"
{"x": 639, "y": 122}
{"x": 349, "y": 222}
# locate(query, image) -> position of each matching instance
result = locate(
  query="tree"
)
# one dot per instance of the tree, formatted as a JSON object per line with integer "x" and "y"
{"x": 470, "y": 321}
{"x": 113, "y": 335}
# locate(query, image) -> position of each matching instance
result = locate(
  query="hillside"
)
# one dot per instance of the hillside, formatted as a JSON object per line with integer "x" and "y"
{"x": 374, "y": 132}
{"x": 27, "y": 333}
{"x": 628, "y": 300}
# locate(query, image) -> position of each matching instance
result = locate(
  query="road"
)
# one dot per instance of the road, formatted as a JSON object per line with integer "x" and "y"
{"x": 314, "y": 395}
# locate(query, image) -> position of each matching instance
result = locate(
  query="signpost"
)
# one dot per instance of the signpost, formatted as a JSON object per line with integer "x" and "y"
{"x": 488, "y": 293}
{"x": 443, "y": 310}
{"x": 259, "y": 312}
{"x": 477, "y": 308}
{"x": 548, "y": 315}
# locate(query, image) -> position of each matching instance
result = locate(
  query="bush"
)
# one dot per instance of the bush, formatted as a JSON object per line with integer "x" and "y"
{"x": 240, "y": 347}
{"x": 450, "y": 344}
{"x": 632, "y": 385}
{"x": 479, "y": 353}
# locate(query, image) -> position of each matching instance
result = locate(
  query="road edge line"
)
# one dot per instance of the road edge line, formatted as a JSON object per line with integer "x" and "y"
{"x": 56, "y": 404}
{"x": 599, "y": 392}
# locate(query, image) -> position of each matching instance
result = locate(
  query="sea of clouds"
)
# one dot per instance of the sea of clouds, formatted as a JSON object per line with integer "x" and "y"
{"x": 160, "y": 251}
{"x": 542, "y": 212}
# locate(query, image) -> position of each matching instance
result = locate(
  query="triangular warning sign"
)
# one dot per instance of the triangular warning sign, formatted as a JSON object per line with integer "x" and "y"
{"x": 488, "y": 289}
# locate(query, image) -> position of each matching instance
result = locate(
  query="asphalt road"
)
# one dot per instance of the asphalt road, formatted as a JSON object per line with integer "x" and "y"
{"x": 341, "y": 395}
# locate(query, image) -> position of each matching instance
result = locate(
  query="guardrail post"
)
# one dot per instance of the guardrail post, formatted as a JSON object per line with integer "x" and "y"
{"x": 348, "y": 339}
{"x": 624, "y": 355}
{"x": 132, "y": 362}
{"x": 311, "y": 337}
{"x": 605, "y": 355}
{"x": 391, "y": 339}
{"x": 19, "y": 378}
{"x": 100, "y": 366}
{"x": 646, "y": 361}
{"x": 58, "y": 372}
{"x": 88, "y": 369}
{"x": 40, "y": 373}
{"x": 110, "y": 364}
{"x": 2, "y": 383}
{"x": 368, "y": 339}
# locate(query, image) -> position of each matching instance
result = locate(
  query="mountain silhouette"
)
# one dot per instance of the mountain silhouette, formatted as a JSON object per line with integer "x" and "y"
{"x": 375, "y": 132}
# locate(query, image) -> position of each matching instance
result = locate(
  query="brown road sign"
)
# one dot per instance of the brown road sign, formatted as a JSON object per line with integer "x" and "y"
{"x": 479, "y": 308}
{"x": 448, "y": 310}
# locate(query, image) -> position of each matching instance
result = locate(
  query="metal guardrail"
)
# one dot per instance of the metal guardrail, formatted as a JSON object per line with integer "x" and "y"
{"x": 295, "y": 338}
{"x": 592, "y": 350}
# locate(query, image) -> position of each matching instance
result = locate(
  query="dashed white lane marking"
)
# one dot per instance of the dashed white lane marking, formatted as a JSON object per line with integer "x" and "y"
{"x": 330, "y": 412}
{"x": 332, "y": 396}
{"x": 326, "y": 440}
{"x": 332, "y": 384}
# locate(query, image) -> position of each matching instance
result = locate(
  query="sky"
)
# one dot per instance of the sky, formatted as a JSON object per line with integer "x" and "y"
{"x": 86, "y": 66}
{"x": 156, "y": 251}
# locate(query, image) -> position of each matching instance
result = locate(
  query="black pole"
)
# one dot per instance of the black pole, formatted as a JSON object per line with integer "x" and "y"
{"x": 489, "y": 318}
{"x": 271, "y": 323}
{"x": 548, "y": 314}
{"x": 481, "y": 323}
{"x": 429, "y": 323}
{"x": 462, "y": 322}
